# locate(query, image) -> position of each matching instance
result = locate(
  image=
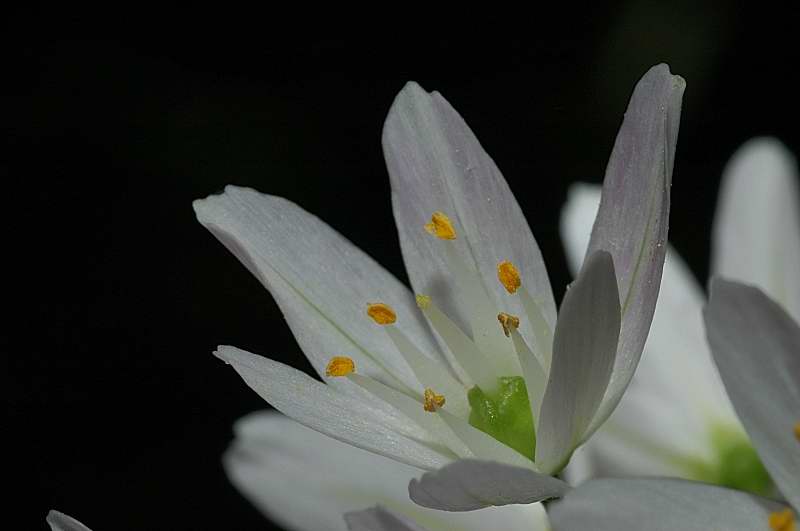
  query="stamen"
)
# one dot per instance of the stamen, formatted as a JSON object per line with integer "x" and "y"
{"x": 429, "y": 372}
{"x": 797, "y": 431}
{"x": 381, "y": 313}
{"x": 782, "y": 520}
{"x": 461, "y": 346}
{"x": 340, "y": 366}
{"x": 409, "y": 407}
{"x": 441, "y": 226}
{"x": 507, "y": 321}
{"x": 508, "y": 276}
{"x": 433, "y": 401}
{"x": 480, "y": 310}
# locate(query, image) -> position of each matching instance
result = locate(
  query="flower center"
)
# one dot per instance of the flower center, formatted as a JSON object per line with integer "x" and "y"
{"x": 505, "y": 414}
{"x": 736, "y": 464}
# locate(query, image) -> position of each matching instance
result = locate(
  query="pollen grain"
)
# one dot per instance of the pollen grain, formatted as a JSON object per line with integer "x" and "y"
{"x": 381, "y": 313}
{"x": 507, "y": 321}
{"x": 508, "y": 276}
{"x": 441, "y": 226}
{"x": 340, "y": 366}
{"x": 433, "y": 401}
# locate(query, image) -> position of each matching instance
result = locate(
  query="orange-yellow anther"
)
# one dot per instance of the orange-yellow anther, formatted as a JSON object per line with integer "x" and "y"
{"x": 441, "y": 227}
{"x": 423, "y": 301}
{"x": 340, "y": 366}
{"x": 507, "y": 321}
{"x": 432, "y": 401}
{"x": 508, "y": 276}
{"x": 797, "y": 431}
{"x": 381, "y": 313}
{"x": 782, "y": 521}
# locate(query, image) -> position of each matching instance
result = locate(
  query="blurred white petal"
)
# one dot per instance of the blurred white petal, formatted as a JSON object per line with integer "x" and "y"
{"x": 306, "y": 481}
{"x": 757, "y": 226}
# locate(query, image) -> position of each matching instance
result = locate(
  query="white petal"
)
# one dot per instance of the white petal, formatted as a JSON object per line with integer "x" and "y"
{"x": 61, "y": 522}
{"x": 675, "y": 397}
{"x": 658, "y": 505}
{"x": 584, "y": 348}
{"x": 333, "y": 413}
{"x": 633, "y": 215}
{"x": 756, "y": 346}
{"x": 757, "y": 226}
{"x": 378, "y": 519}
{"x": 321, "y": 281}
{"x": 436, "y": 164}
{"x": 577, "y": 219}
{"x": 469, "y": 484}
{"x": 306, "y": 481}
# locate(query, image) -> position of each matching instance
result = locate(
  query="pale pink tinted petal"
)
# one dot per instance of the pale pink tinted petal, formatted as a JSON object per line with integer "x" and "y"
{"x": 584, "y": 348}
{"x": 437, "y": 164}
{"x": 633, "y": 216}
{"x": 321, "y": 281}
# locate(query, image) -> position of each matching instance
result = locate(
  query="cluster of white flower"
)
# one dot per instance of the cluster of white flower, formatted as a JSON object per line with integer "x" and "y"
{"x": 472, "y": 403}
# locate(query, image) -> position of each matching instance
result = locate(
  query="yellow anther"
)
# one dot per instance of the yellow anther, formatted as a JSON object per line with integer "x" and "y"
{"x": 381, "y": 313}
{"x": 340, "y": 366}
{"x": 432, "y": 401}
{"x": 423, "y": 301}
{"x": 508, "y": 276}
{"x": 507, "y": 321}
{"x": 441, "y": 227}
{"x": 797, "y": 431}
{"x": 782, "y": 521}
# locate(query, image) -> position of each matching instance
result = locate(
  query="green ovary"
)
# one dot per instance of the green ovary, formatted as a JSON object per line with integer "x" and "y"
{"x": 505, "y": 414}
{"x": 737, "y": 464}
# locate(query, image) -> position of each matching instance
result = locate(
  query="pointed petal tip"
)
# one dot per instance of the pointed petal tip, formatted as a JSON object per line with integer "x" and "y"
{"x": 663, "y": 70}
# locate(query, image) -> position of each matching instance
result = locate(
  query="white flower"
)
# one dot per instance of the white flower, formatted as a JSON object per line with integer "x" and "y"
{"x": 756, "y": 347}
{"x": 676, "y": 419}
{"x": 440, "y": 378}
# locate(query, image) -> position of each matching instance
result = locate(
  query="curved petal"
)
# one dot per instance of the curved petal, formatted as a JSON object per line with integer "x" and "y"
{"x": 658, "y": 505}
{"x": 676, "y": 392}
{"x": 633, "y": 216}
{"x": 326, "y": 410}
{"x": 436, "y": 163}
{"x": 584, "y": 348}
{"x": 378, "y": 519}
{"x": 61, "y": 522}
{"x": 306, "y": 481}
{"x": 470, "y": 484}
{"x": 757, "y": 226}
{"x": 321, "y": 281}
{"x": 756, "y": 346}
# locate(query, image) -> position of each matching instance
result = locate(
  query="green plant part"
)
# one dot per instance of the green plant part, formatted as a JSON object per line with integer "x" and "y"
{"x": 736, "y": 464}
{"x": 505, "y": 414}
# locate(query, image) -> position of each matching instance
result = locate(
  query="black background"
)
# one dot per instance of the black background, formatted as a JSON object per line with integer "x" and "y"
{"x": 118, "y": 412}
